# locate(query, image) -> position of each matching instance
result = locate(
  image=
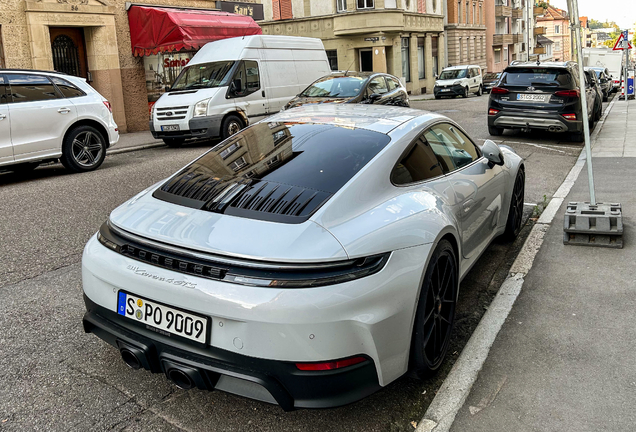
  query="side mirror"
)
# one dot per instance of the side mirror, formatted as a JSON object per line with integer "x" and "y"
{"x": 167, "y": 89}
{"x": 436, "y": 76}
{"x": 374, "y": 97}
{"x": 492, "y": 152}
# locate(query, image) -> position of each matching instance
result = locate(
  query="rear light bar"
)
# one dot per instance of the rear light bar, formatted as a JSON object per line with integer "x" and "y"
{"x": 108, "y": 106}
{"x": 492, "y": 111}
{"x": 569, "y": 116}
{"x": 568, "y": 93}
{"x": 330, "y": 365}
{"x": 499, "y": 90}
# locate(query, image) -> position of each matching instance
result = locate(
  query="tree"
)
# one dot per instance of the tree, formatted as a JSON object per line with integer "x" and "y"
{"x": 594, "y": 24}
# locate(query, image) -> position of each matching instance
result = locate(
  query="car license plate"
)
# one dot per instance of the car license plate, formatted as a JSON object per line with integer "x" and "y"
{"x": 162, "y": 317}
{"x": 169, "y": 128}
{"x": 445, "y": 89}
{"x": 532, "y": 97}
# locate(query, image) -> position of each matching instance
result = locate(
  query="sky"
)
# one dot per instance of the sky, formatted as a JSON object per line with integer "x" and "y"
{"x": 621, "y": 11}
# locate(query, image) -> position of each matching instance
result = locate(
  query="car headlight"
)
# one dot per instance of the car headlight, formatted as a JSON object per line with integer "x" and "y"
{"x": 201, "y": 108}
{"x": 457, "y": 83}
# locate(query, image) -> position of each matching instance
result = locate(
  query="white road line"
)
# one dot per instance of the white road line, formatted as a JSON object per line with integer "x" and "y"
{"x": 440, "y": 415}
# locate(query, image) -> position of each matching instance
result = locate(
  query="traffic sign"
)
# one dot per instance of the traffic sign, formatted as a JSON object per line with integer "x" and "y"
{"x": 622, "y": 43}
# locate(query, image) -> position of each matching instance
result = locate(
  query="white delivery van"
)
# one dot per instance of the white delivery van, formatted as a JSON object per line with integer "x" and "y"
{"x": 234, "y": 82}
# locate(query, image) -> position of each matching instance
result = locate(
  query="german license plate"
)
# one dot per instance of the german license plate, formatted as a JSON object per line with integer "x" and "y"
{"x": 532, "y": 97}
{"x": 169, "y": 128}
{"x": 162, "y": 317}
{"x": 445, "y": 89}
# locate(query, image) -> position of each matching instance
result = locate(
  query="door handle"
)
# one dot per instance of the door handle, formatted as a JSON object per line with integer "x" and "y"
{"x": 64, "y": 110}
{"x": 263, "y": 93}
{"x": 2, "y": 116}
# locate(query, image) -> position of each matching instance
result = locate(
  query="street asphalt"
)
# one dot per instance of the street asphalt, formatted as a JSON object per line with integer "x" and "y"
{"x": 54, "y": 377}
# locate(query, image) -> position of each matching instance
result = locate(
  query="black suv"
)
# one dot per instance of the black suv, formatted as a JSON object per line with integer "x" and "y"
{"x": 540, "y": 96}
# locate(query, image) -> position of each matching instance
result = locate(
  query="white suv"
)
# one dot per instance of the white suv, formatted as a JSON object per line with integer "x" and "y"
{"x": 459, "y": 81}
{"x": 46, "y": 116}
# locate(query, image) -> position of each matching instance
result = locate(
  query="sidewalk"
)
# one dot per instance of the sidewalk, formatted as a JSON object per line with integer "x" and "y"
{"x": 565, "y": 359}
{"x": 134, "y": 141}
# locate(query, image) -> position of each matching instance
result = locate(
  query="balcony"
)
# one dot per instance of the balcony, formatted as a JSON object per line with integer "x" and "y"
{"x": 539, "y": 31}
{"x": 502, "y": 39}
{"x": 539, "y": 50}
{"x": 503, "y": 11}
{"x": 517, "y": 13}
{"x": 517, "y": 38}
{"x": 538, "y": 10}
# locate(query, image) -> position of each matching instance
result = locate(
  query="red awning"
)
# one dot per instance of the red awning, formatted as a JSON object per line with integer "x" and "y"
{"x": 158, "y": 29}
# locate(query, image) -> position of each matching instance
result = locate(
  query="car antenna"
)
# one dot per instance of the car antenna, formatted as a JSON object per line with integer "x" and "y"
{"x": 347, "y": 71}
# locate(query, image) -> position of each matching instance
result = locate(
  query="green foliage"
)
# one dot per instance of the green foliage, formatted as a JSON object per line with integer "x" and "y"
{"x": 594, "y": 24}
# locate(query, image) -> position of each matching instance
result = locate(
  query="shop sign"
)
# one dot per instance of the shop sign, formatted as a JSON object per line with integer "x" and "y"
{"x": 253, "y": 10}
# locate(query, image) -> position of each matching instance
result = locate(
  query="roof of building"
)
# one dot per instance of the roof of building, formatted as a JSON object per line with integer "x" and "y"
{"x": 553, "y": 14}
{"x": 542, "y": 40}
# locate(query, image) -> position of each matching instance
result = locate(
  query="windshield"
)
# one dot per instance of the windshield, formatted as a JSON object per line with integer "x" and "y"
{"x": 204, "y": 75}
{"x": 492, "y": 75}
{"x": 598, "y": 73}
{"x": 537, "y": 77}
{"x": 338, "y": 86}
{"x": 453, "y": 74}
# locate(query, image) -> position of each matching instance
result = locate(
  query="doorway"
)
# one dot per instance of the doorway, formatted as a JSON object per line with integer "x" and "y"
{"x": 366, "y": 60}
{"x": 69, "y": 50}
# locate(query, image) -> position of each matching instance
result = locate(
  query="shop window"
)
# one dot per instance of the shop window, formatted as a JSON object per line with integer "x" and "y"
{"x": 341, "y": 5}
{"x": 2, "y": 65}
{"x": 497, "y": 55}
{"x": 366, "y": 4}
{"x": 421, "y": 60}
{"x": 406, "y": 60}
{"x": 332, "y": 57}
{"x": 31, "y": 88}
{"x": 282, "y": 9}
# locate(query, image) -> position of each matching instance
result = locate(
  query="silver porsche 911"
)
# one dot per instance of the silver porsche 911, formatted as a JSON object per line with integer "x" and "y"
{"x": 308, "y": 260}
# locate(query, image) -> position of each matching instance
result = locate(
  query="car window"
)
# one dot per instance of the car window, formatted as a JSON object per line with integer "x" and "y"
{"x": 420, "y": 163}
{"x": 392, "y": 85}
{"x": 451, "y": 146}
{"x": 67, "y": 89}
{"x": 336, "y": 86}
{"x": 31, "y": 88}
{"x": 377, "y": 85}
{"x": 453, "y": 74}
{"x": 204, "y": 75}
{"x": 246, "y": 79}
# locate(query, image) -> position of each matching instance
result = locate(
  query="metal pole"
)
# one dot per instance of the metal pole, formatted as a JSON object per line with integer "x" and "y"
{"x": 574, "y": 19}
{"x": 626, "y": 51}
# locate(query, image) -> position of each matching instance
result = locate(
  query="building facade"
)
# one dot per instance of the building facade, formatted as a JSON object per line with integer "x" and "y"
{"x": 466, "y": 32}
{"x": 506, "y": 36}
{"x": 92, "y": 39}
{"x": 402, "y": 37}
{"x": 556, "y": 23}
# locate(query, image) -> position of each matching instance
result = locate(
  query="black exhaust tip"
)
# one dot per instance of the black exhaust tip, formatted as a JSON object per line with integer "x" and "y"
{"x": 130, "y": 359}
{"x": 180, "y": 378}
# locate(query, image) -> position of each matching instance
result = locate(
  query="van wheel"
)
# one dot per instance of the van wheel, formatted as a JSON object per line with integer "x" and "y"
{"x": 480, "y": 91}
{"x": 231, "y": 125}
{"x": 174, "y": 142}
{"x": 495, "y": 131}
{"x": 465, "y": 94}
{"x": 84, "y": 149}
{"x": 435, "y": 311}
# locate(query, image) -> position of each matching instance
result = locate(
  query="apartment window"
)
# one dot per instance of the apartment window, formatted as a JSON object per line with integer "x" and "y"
{"x": 505, "y": 55}
{"x": 238, "y": 164}
{"x": 474, "y": 6}
{"x": 332, "y": 57}
{"x": 467, "y": 13}
{"x": 557, "y": 29}
{"x": 497, "y": 55}
{"x": 366, "y": 4}
{"x": 406, "y": 61}
{"x": 468, "y": 49}
{"x": 459, "y": 12}
{"x": 421, "y": 62}
{"x": 341, "y": 5}
{"x": 434, "y": 54}
{"x": 557, "y": 46}
{"x": 481, "y": 19}
{"x": 459, "y": 53}
{"x": 228, "y": 151}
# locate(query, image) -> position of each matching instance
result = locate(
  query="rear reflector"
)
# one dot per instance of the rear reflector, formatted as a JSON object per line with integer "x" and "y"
{"x": 108, "y": 106}
{"x": 493, "y": 111}
{"x": 568, "y": 93}
{"x": 569, "y": 116}
{"x": 330, "y": 365}
{"x": 499, "y": 90}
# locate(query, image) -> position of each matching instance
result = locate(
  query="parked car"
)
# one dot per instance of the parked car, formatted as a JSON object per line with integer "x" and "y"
{"x": 490, "y": 80}
{"x": 605, "y": 81}
{"x": 459, "y": 81}
{"x": 48, "y": 116}
{"x": 234, "y": 82}
{"x": 540, "y": 96}
{"x": 308, "y": 260}
{"x": 353, "y": 87}
{"x": 592, "y": 81}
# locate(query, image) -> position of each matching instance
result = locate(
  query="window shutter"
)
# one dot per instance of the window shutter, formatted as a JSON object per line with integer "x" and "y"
{"x": 276, "y": 9}
{"x": 286, "y": 9}
{"x": 421, "y": 6}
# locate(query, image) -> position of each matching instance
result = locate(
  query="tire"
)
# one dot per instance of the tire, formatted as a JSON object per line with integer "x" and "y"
{"x": 84, "y": 149}
{"x": 174, "y": 142}
{"x": 480, "y": 91}
{"x": 605, "y": 97}
{"x": 438, "y": 97}
{"x": 495, "y": 131}
{"x": 231, "y": 125}
{"x": 24, "y": 167}
{"x": 435, "y": 314}
{"x": 515, "y": 213}
{"x": 465, "y": 94}
{"x": 576, "y": 137}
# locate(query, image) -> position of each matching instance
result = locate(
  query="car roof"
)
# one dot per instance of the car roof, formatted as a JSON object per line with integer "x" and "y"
{"x": 35, "y": 71}
{"x": 378, "y": 118}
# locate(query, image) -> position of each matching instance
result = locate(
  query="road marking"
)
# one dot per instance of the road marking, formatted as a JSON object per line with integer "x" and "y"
{"x": 440, "y": 415}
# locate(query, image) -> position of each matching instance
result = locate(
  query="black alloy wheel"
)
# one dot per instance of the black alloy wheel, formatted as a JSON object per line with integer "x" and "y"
{"x": 515, "y": 214}
{"x": 435, "y": 311}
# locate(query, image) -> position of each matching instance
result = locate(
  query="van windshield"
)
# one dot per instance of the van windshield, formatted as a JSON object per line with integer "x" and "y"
{"x": 336, "y": 86}
{"x": 453, "y": 74}
{"x": 204, "y": 75}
